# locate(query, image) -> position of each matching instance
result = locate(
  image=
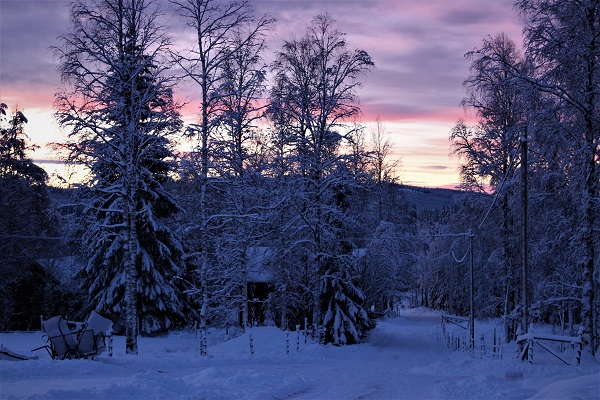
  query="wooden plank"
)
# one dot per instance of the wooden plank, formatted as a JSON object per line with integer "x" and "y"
{"x": 523, "y": 354}
{"x": 455, "y": 321}
{"x": 552, "y": 338}
{"x": 552, "y": 352}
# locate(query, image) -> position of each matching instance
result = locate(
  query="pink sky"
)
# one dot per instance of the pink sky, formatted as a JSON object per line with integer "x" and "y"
{"x": 416, "y": 88}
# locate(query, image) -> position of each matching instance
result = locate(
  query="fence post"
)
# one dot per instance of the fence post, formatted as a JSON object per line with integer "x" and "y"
{"x": 298, "y": 337}
{"x": 305, "y": 330}
{"x": 110, "y": 341}
{"x": 321, "y": 335}
{"x": 482, "y": 346}
{"x": 497, "y": 345}
{"x": 500, "y": 348}
{"x": 251, "y": 345}
{"x": 443, "y": 325}
{"x": 287, "y": 342}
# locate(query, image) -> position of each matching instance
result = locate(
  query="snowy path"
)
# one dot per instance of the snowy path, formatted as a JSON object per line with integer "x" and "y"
{"x": 385, "y": 369}
{"x": 401, "y": 360}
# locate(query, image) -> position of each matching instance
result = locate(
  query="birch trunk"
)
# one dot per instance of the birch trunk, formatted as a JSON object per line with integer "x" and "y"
{"x": 131, "y": 346}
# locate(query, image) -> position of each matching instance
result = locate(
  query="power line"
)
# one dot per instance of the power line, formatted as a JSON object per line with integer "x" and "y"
{"x": 38, "y": 237}
{"x": 500, "y": 186}
{"x": 456, "y": 259}
{"x": 396, "y": 237}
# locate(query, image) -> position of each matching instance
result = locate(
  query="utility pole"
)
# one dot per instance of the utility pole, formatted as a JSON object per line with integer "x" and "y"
{"x": 472, "y": 300}
{"x": 524, "y": 247}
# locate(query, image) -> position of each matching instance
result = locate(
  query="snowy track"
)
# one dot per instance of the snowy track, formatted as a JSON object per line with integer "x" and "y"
{"x": 384, "y": 369}
{"x": 401, "y": 360}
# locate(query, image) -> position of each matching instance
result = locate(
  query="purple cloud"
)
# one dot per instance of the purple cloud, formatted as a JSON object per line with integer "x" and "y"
{"x": 418, "y": 48}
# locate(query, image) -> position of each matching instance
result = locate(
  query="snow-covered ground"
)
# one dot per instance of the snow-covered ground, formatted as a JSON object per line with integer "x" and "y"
{"x": 403, "y": 358}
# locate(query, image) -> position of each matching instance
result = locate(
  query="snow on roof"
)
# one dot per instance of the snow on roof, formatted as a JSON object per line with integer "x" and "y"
{"x": 62, "y": 268}
{"x": 359, "y": 253}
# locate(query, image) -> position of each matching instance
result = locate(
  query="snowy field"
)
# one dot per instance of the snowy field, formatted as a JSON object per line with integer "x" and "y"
{"x": 403, "y": 358}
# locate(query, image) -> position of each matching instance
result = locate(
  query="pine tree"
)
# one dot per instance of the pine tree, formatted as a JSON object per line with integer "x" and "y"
{"x": 120, "y": 115}
{"x": 345, "y": 321}
{"x": 25, "y": 212}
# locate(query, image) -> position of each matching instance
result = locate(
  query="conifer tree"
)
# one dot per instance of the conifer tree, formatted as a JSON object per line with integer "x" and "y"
{"x": 25, "y": 212}
{"x": 119, "y": 116}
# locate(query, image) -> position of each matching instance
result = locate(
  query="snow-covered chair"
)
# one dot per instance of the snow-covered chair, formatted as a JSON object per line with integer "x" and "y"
{"x": 95, "y": 332}
{"x": 62, "y": 342}
{"x": 87, "y": 340}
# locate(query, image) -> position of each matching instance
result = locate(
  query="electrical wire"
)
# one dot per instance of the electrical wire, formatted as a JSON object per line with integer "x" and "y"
{"x": 456, "y": 259}
{"x": 499, "y": 189}
{"x": 38, "y": 237}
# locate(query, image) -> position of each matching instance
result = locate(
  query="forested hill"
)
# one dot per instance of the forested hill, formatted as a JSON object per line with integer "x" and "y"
{"x": 422, "y": 198}
{"x": 428, "y": 199}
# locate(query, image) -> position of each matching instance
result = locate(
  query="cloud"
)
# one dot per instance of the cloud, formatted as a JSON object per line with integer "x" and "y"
{"x": 29, "y": 29}
{"x": 28, "y": 67}
{"x": 418, "y": 48}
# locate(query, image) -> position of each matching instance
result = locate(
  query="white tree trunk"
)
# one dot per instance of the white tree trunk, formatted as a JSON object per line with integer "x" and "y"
{"x": 131, "y": 346}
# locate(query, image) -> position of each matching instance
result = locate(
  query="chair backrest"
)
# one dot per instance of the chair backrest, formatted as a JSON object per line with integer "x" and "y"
{"x": 59, "y": 334}
{"x": 98, "y": 323}
{"x": 87, "y": 343}
{"x": 101, "y": 327}
{"x": 55, "y": 326}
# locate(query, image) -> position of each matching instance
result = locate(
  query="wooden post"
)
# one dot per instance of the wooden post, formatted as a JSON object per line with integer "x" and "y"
{"x": 444, "y": 325}
{"x": 109, "y": 333}
{"x": 472, "y": 300}
{"x": 305, "y": 329}
{"x": 579, "y": 349}
{"x": 482, "y": 346}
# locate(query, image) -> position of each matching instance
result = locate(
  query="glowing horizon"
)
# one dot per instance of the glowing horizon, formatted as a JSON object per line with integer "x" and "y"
{"x": 415, "y": 89}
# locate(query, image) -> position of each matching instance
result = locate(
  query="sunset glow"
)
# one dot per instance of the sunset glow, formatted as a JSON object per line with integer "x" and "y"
{"x": 416, "y": 87}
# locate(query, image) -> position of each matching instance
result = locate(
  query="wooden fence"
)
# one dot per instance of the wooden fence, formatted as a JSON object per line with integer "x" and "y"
{"x": 526, "y": 343}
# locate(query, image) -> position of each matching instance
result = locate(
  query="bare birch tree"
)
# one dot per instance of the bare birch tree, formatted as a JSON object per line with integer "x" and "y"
{"x": 488, "y": 150}
{"x": 562, "y": 39}
{"x": 225, "y": 32}
{"x": 313, "y": 102}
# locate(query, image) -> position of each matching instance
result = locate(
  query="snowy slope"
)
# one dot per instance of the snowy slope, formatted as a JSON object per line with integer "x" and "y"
{"x": 402, "y": 359}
